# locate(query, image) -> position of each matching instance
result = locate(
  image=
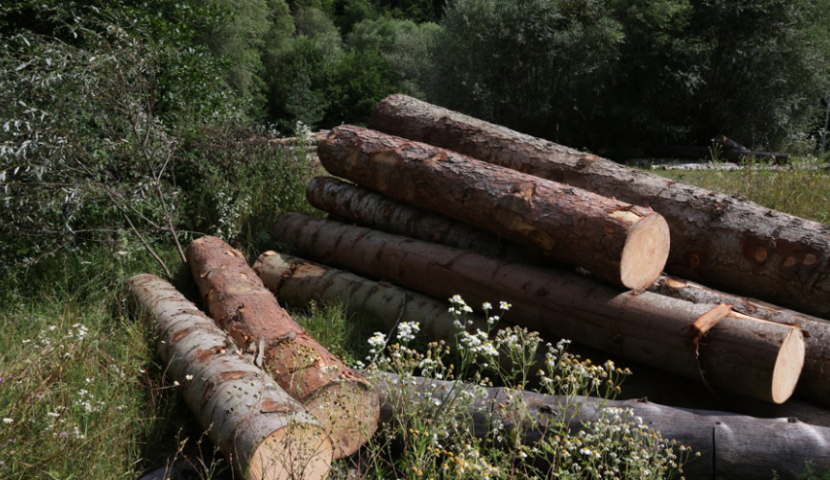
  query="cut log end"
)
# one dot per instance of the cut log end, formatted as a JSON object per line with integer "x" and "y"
{"x": 646, "y": 252}
{"x": 788, "y": 366}
{"x": 349, "y": 411}
{"x": 296, "y": 451}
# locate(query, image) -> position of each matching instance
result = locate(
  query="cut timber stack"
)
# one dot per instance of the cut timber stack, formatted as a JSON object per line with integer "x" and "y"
{"x": 624, "y": 244}
{"x": 341, "y": 399}
{"x": 263, "y": 432}
{"x": 369, "y": 209}
{"x": 722, "y": 241}
{"x": 745, "y": 355}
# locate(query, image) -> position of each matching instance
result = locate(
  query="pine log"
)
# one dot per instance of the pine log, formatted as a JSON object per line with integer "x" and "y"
{"x": 340, "y": 398}
{"x": 624, "y": 244}
{"x": 352, "y": 203}
{"x": 731, "y": 446}
{"x": 261, "y": 430}
{"x": 722, "y": 241}
{"x": 372, "y": 210}
{"x": 745, "y": 355}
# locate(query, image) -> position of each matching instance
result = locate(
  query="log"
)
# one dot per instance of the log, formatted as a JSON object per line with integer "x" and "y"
{"x": 261, "y": 430}
{"x": 624, "y": 244}
{"x": 341, "y": 399}
{"x": 731, "y": 446}
{"x": 722, "y": 241}
{"x": 745, "y": 355}
{"x": 352, "y": 203}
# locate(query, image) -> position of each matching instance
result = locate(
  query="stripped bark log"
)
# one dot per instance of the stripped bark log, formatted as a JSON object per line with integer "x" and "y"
{"x": 731, "y": 446}
{"x": 624, "y": 244}
{"x": 723, "y": 241}
{"x": 340, "y": 398}
{"x": 753, "y": 357}
{"x": 262, "y": 431}
{"x": 372, "y": 210}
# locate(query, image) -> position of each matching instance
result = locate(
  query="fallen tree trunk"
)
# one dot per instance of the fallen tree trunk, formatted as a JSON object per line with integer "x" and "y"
{"x": 624, "y": 244}
{"x": 731, "y": 446}
{"x": 373, "y": 210}
{"x": 353, "y": 203}
{"x": 340, "y": 398}
{"x": 699, "y": 153}
{"x": 720, "y": 240}
{"x": 261, "y": 430}
{"x": 745, "y": 355}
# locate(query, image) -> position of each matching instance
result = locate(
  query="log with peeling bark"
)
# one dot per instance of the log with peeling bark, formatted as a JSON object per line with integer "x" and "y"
{"x": 261, "y": 430}
{"x": 722, "y": 241}
{"x": 621, "y": 243}
{"x": 340, "y": 398}
{"x": 741, "y": 354}
{"x": 372, "y": 210}
{"x": 353, "y": 203}
{"x": 731, "y": 446}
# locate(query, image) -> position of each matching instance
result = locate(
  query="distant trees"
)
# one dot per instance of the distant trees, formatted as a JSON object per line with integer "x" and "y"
{"x": 619, "y": 73}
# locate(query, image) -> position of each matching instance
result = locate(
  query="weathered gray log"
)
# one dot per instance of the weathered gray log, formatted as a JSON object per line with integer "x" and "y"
{"x": 621, "y": 243}
{"x": 372, "y": 210}
{"x": 340, "y": 398}
{"x": 732, "y": 447}
{"x": 262, "y": 431}
{"x": 745, "y": 355}
{"x": 720, "y": 240}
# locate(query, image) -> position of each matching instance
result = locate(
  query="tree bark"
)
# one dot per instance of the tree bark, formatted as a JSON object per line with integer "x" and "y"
{"x": 624, "y": 244}
{"x": 341, "y": 399}
{"x": 731, "y": 446}
{"x": 262, "y": 431}
{"x": 723, "y": 241}
{"x": 753, "y": 357}
{"x": 372, "y": 210}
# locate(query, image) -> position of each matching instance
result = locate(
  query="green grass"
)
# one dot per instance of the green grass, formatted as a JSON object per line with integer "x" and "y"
{"x": 803, "y": 190}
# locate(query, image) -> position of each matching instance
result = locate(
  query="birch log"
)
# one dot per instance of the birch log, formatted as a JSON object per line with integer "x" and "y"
{"x": 723, "y": 241}
{"x": 340, "y": 398}
{"x": 373, "y": 210}
{"x": 741, "y": 354}
{"x": 621, "y": 243}
{"x": 263, "y": 432}
{"x": 731, "y": 446}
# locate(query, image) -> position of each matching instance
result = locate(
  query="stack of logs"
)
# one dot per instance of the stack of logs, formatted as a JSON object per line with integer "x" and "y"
{"x": 577, "y": 244}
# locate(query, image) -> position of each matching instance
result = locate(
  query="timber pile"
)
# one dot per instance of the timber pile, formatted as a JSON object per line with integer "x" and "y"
{"x": 721, "y": 241}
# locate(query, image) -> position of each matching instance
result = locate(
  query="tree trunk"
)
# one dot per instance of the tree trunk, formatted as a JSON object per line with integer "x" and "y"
{"x": 731, "y": 446}
{"x": 624, "y": 244}
{"x": 262, "y": 431}
{"x": 340, "y": 398}
{"x": 720, "y": 240}
{"x": 352, "y": 203}
{"x": 372, "y": 210}
{"x": 757, "y": 358}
